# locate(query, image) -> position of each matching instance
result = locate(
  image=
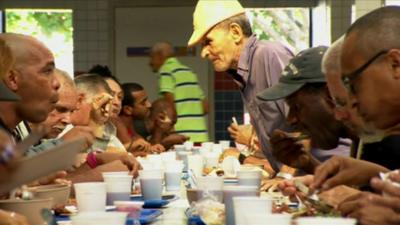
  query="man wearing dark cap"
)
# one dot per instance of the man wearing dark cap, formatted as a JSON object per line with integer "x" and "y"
{"x": 304, "y": 89}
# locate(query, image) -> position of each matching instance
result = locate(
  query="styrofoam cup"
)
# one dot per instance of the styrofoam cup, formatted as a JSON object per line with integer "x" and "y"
{"x": 243, "y": 205}
{"x": 91, "y": 196}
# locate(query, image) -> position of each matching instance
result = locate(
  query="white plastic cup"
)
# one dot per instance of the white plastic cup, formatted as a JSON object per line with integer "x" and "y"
{"x": 207, "y": 145}
{"x": 235, "y": 191}
{"x": 217, "y": 149}
{"x": 195, "y": 163}
{"x": 210, "y": 183}
{"x": 325, "y": 221}
{"x": 118, "y": 187}
{"x": 91, "y": 197}
{"x": 211, "y": 160}
{"x": 151, "y": 184}
{"x": 243, "y": 205}
{"x": 188, "y": 145}
{"x": 168, "y": 156}
{"x": 266, "y": 219}
{"x": 249, "y": 177}
{"x": 99, "y": 218}
{"x": 173, "y": 174}
{"x": 179, "y": 148}
{"x": 225, "y": 144}
{"x": 115, "y": 173}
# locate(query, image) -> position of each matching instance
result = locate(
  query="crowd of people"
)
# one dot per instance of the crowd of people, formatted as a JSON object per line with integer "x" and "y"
{"x": 326, "y": 116}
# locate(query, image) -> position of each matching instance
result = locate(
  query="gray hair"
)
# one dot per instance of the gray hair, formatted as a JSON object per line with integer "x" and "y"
{"x": 376, "y": 31}
{"x": 331, "y": 58}
{"x": 91, "y": 84}
{"x": 64, "y": 79}
{"x": 241, "y": 20}
{"x": 164, "y": 48}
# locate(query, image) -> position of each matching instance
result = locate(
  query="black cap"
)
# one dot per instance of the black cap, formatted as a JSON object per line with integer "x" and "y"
{"x": 304, "y": 68}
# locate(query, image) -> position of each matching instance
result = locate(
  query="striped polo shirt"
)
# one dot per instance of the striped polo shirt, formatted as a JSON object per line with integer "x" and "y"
{"x": 178, "y": 79}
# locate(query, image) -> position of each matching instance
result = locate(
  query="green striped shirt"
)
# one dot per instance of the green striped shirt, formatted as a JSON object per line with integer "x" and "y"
{"x": 178, "y": 79}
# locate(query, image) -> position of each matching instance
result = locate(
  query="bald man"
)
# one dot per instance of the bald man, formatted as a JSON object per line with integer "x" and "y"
{"x": 179, "y": 85}
{"x": 32, "y": 79}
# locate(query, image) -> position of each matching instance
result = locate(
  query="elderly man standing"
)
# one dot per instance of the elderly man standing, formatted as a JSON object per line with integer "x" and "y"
{"x": 228, "y": 42}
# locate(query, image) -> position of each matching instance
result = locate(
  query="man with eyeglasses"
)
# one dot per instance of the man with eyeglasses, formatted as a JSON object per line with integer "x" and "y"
{"x": 370, "y": 62}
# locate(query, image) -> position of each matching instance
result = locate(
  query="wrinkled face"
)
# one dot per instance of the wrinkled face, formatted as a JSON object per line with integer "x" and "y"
{"x": 85, "y": 113}
{"x": 117, "y": 100}
{"x": 219, "y": 47}
{"x": 156, "y": 61}
{"x": 36, "y": 84}
{"x": 375, "y": 88}
{"x": 60, "y": 117}
{"x": 142, "y": 105}
{"x": 311, "y": 114}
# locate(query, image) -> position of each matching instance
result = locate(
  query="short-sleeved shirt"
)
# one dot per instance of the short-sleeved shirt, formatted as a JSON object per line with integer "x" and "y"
{"x": 182, "y": 82}
{"x": 260, "y": 66}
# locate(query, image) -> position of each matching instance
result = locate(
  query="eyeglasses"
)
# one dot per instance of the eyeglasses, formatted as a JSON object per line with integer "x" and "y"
{"x": 348, "y": 79}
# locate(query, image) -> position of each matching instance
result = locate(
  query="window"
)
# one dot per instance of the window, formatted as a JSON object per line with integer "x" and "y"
{"x": 52, "y": 27}
{"x": 290, "y": 26}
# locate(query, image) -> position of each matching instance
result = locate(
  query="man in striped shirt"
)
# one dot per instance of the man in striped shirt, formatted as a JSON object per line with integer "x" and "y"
{"x": 179, "y": 85}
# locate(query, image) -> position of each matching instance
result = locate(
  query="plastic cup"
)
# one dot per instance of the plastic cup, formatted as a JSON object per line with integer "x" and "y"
{"x": 325, "y": 221}
{"x": 118, "y": 187}
{"x": 243, "y": 205}
{"x": 225, "y": 144}
{"x": 217, "y": 149}
{"x": 173, "y": 175}
{"x": 168, "y": 156}
{"x": 99, "y": 218}
{"x": 151, "y": 184}
{"x": 188, "y": 145}
{"x": 211, "y": 160}
{"x": 235, "y": 191}
{"x": 207, "y": 145}
{"x": 179, "y": 148}
{"x": 249, "y": 177}
{"x": 210, "y": 183}
{"x": 195, "y": 163}
{"x": 115, "y": 173}
{"x": 265, "y": 219}
{"x": 91, "y": 197}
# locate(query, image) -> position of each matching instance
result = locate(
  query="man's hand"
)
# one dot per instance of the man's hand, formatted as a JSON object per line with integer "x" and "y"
{"x": 371, "y": 209}
{"x": 55, "y": 178}
{"x": 101, "y": 106}
{"x": 80, "y": 132}
{"x": 230, "y": 152}
{"x": 344, "y": 170}
{"x": 389, "y": 187}
{"x": 242, "y": 134}
{"x": 139, "y": 145}
{"x": 128, "y": 159}
{"x": 288, "y": 188}
{"x": 174, "y": 139}
{"x": 292, "y": 152}
{"x": 12, "y": 218}
{"x": 157, "y": 148}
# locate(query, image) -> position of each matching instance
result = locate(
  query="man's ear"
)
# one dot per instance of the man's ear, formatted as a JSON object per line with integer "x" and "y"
{"x": 12, "y": 79}
{"x": 81, "y": 99}
{"x": 127, "y": 110}
{"x": 236, "y": 32}
{"x": 394, "y": 57}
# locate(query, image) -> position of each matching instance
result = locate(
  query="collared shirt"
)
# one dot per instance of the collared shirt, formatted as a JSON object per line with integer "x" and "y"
{"x": 260, "y": 66}
{"x": 182, "y": 82}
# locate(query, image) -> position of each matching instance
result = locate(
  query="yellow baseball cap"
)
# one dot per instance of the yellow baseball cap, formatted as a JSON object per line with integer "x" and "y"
{"x": 209, "y": 13}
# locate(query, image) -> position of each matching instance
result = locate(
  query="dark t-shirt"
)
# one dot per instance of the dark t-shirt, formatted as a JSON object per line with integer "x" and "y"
{"x": 385, "y": 153}
{"x": 140, "y": 128}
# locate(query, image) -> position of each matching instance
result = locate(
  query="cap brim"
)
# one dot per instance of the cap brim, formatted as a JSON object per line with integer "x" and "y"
{"x": 196, "y": 37}
{"x": 278, "y": 91}
{"x": 6, "y": 94}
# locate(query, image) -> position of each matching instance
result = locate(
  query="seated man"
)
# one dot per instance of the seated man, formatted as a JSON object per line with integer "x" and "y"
{"x": 93, "y": 110}
{"x": 303, "y": 83}
{"x": 135, "y": 109}
{"x": 160, "y": 125}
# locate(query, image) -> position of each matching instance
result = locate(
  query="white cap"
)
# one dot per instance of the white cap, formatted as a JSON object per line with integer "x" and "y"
{"x": 209, "y": 13}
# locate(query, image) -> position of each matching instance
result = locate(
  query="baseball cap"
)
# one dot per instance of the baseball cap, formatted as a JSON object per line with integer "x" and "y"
{"x": 209, "y": 13}
{"x": 304, "y": 68}
{"x": 6, "y": 94}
